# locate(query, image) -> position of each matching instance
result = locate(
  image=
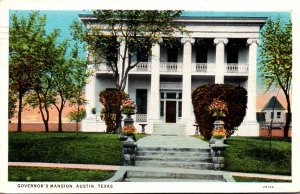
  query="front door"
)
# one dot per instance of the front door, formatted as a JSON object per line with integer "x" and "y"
{"x": 170, "y": 111}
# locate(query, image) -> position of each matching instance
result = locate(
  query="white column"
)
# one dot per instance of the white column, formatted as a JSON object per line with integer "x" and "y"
{"x": 187, "y": 79}
{"x": 220, "y": 56}
{"x": 251, "y": 106}
{"x": 154, "y": 112}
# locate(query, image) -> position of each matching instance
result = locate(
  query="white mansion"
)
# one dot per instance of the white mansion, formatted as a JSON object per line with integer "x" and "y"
{"x": 218, "y": 50}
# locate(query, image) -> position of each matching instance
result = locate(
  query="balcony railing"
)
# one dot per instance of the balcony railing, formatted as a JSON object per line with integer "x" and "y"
{"x": 170, "y": 67}
{"x": 142, "y": 67}
{"x": 236, "y": 68}
{"x": 141, "y": 117}
{"x": 203, "y": 67}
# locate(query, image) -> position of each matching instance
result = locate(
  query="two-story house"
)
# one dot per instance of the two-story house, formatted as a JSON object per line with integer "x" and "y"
{"x": 218, "y": 50}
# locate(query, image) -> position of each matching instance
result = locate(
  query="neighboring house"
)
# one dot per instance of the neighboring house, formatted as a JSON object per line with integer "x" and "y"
{"x": 274, "y": 109}
{"x": 219, "y": 50}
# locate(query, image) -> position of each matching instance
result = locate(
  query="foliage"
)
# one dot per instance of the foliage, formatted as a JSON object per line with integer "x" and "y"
{"x": 252, "y": 154}
{"x": 276, "y": 59}
{"x": 128, "y": 107}
{"x": 53, "y": 147}
{"x": 77, "y": 115}
{"x": 235, "y": 98}
{"x": 56, "y": 174}
{"x": 30, "y": 50}
{"x": 136, "y": 30}
{"x": 129, "y": 129}
{"x": 252, "y": 179}
{"x": 111, "y": 111}
{"x": 218, "y": 108}
{"x": 12, "y": 100}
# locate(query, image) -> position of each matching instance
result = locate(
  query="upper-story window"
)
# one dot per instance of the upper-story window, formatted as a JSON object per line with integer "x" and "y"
{"x": 142, "y": 55}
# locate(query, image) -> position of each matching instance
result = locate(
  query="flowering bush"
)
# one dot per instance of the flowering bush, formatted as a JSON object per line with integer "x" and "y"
{"x": 129, "y": 129}
{"x": 218, "y": 108}
{"x": 219, "y": 133}
{"x": 128, "y": 107}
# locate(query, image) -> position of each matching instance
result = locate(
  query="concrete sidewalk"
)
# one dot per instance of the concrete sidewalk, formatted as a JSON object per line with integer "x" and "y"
{"x": 115, "y": 168}
{"x": 59, "y": 165}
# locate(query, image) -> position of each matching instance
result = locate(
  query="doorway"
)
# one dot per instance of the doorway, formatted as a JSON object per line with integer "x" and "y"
{"x": 170, "y": 111}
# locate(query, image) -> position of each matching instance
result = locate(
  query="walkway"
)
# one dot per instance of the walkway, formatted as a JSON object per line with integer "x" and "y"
{"x": 172, "y": 142}
{"x": 59, "y": 165}
{"x": 114, "y": 168}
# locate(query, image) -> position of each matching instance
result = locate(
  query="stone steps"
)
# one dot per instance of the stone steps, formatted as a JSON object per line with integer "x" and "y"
{"x": 175, "y": 164}
{"x": 156, "y": 174}
{"x": 176, "y": 158}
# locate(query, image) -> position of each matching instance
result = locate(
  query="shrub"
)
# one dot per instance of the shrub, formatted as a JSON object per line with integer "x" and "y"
{"x": 111, "y": 111}
{"x": 234, "y": 96}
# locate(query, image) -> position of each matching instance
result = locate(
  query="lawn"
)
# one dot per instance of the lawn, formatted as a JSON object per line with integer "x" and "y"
{"x": 54, "y": 174}
{"x": 87, "y": 148}
{"x": 252, "y": 154}
{"x": 248, "y": 179}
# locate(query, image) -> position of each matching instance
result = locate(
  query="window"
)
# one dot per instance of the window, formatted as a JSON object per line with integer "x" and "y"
{"x": 171, "y": 95}
{"x": 179, "y": 109}
{"x": 162, "y": 103}
{"x": 141, "y": 101}
{"x": 162, "y": 95}
{"x": 278, "y": 115}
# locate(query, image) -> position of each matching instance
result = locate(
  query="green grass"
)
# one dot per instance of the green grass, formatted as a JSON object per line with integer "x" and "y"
{"x": 250, "y": 179}
{"x": 251, "y": 154}
{"x": 87, "y": 148}
{"x": 55, "y": 174}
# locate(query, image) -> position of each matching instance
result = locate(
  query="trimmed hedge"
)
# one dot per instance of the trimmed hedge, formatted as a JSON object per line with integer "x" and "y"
{"x": 234, "y": 96}
{"x": 111, "y": 111}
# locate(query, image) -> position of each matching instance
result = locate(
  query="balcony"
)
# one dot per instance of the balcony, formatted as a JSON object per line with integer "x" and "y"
{"x": 203, "y": 68}
{"x": 142, "y": 67}
{"x": 170, "y": 67}
{"x": 236, "y": 69}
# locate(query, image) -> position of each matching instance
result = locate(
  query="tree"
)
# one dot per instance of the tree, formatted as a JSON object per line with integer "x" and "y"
{"x": 276, "y": 60}
{"x": 135, "y": 30}
{"x": 12, "y": 100}
{"x": 69, "y": 78}
{"x": 77, "y": 115}
{"x": 28, "y": 44}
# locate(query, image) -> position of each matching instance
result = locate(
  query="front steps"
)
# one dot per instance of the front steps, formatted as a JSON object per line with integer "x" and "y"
{"x": 155, "y": 174}
{"x": 169, "y": 129}
{"x": 190, "y": 158}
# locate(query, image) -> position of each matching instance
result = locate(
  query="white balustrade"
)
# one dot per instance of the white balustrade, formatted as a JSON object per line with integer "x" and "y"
{"x": 203, "y": 67}
{"x": 142, "y": 67}
{"x": 236, "y": 68}
{"x": 170, "y": 67}
{"x": 141, "y": 117}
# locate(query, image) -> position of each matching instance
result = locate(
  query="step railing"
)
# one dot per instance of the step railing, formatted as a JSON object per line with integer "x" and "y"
{"x": 141, "y": 117}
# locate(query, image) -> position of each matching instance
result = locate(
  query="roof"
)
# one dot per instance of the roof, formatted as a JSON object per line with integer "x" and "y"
{"x": 273, "y": 102}
{"x": 207, "y": 17}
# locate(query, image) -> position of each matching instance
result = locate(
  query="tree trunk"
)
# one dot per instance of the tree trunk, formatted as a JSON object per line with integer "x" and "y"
{"x": 60, "y": 120}
{"x": 19, "y": 129}
{"x": 288, "y": 116}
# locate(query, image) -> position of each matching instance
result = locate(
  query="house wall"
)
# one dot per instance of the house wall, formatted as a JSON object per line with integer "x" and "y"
{"x": 281, "y": 119}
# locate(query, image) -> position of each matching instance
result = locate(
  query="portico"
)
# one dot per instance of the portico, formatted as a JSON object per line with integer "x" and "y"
{"x": 216, "y": 50}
